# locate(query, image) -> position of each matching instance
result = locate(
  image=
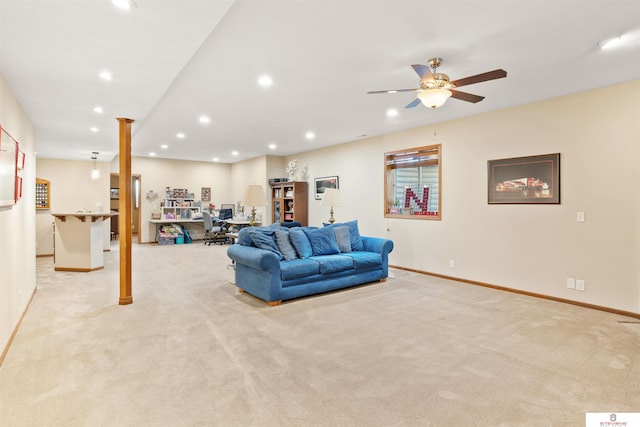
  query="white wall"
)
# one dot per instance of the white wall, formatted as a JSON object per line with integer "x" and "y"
{"x": 526, "y": 247}
{"x": 17, "y": 223}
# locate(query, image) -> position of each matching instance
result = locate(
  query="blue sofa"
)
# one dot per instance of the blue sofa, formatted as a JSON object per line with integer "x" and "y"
{"x": 277, "y": 263}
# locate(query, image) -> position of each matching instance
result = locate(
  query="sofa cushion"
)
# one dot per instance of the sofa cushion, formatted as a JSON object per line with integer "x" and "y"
{"x": 343, "y": 238}
{"x": 365, "y": 259}
{"x": 354, "y": 234}
{"x": 244, "y": 237}
{"x": 285, "y": 246}
{"x": 323, "y": 241}
{"x": 298, "y": 268}
{"x": 333, "y": 263}
{"x": 264, "y": 238}
{"x": 300, "y": 241}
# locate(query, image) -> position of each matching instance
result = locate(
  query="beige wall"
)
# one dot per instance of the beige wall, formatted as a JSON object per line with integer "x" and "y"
{"x": 157, "y": 174}
{"x": 252, "y": 172}
{"x": 17, "y": 223}
{"x": 72, "y": 190}
{"x": 527, "y": 247}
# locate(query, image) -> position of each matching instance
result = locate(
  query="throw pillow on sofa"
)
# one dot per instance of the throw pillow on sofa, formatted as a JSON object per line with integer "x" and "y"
{"x": 264, "y": 238}
{"x": 323, "y": 241}
{"x": 343, "y": 238}
{"x": 285, "y": 246}
{"x": 354, "y": 234}
{"x": 300, "y": 241}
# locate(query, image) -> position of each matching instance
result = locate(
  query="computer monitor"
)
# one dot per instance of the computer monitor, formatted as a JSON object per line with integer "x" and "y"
{"x": 225, "y": 214}
{"x": 229, "y": 206}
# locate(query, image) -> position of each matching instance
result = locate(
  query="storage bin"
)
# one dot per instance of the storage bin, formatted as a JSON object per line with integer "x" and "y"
{"x": 166, "y": 240}
{"x": 179, "y": 240}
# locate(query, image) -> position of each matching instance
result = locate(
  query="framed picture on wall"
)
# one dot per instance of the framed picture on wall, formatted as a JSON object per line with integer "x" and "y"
{"x": 205, "y": 194}
{"x": 9, "y": 150}
{"x": 526, "y": 180}
{"x": 321, "y": 184}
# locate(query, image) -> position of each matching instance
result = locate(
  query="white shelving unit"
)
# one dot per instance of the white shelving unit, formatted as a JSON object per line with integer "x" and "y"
{"x": 179, "y": 209}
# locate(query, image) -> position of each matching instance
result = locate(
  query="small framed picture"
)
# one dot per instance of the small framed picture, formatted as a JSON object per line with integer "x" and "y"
{"x": 321, "y": 184}
{"x": 205, "y": 194}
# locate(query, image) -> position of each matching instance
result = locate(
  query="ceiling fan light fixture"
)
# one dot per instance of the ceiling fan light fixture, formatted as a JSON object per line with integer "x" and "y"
{"x": 434, "y": 98}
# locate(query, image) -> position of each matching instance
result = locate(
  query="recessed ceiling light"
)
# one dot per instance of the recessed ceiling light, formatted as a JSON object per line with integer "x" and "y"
{"x": 95, "y": 129}
{"x": 392, "y": 112}
{"x": 106, "y": 75}
{"x": 180, "y": 135}
{"x": 392, "y": 91}
{"x": 234, "y": 153}
{"x": 265, "y": 81}
{"x": 98, "y": 109}
{"x": 164, "y": 146}
{"x": 152, "y": 154}
{"x": 309, "y": 135}
{"x": 272, "y": 146}
{"x": 215, "y": 159}
{"x": 124, "y": 4}
{"x": 204, "y": 119}
{"x": 628, "y": 39}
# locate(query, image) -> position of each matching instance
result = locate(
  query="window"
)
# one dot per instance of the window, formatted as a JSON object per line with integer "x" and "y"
{"x": 412, "y": 183}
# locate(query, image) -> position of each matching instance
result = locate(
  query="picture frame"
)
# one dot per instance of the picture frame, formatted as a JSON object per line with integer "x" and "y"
{"x": 524, "y": 180}
{"x": 321, "y": 184}
{"x": 21, "y": 159}
{"x": 205, "y": 194}
{"x": 9, "y": 149}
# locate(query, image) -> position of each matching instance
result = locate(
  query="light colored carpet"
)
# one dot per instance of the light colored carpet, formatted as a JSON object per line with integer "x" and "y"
{"x": 414, "y": 351}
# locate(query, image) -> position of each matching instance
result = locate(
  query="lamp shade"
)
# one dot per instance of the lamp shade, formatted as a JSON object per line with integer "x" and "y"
{"x": 255, "y": 196}
{"x": 434, "y": 98}
{"x": 331, "y": 197}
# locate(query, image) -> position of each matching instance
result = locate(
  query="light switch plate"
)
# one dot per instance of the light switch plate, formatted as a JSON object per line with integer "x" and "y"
{"x": 580, "y": 217}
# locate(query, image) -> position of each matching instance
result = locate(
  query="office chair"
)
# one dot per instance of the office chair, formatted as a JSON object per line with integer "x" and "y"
{"x": 215, "y": 230}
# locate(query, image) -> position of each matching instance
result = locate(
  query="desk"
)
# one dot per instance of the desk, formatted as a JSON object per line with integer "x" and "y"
{"x": 78, "y": 242}
{"x": 239, "y": 224}
{"x": 157, "y": 222}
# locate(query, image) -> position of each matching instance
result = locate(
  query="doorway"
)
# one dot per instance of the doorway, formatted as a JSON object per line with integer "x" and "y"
{"x": 136, "y": 199}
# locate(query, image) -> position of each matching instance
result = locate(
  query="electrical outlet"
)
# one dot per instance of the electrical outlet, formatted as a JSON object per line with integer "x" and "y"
{"x": 452, "y": 264}
{"x": 580, "y": 285}
{"x": 580, "y": 217}
{"x": 571, "y": 283}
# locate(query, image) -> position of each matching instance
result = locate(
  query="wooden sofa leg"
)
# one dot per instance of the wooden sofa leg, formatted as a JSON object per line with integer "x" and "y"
{"x": 240, "y": 290}
{"x": 384, "y": 279}
{"x": 274, "y": 303}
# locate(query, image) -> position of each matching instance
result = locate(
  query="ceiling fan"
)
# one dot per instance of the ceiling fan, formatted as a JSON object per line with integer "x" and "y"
{"x": 435, "y": 88}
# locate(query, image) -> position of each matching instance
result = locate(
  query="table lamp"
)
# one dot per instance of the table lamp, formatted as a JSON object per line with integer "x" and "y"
{"x": 331, "y": 198}
{"x": 254, "y": 197}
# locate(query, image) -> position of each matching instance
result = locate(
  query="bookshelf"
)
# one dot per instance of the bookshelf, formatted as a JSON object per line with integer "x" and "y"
{"x": 289, "y": 202}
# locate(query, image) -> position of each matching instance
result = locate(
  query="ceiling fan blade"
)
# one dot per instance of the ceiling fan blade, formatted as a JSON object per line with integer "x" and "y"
{"x": 483, "y": 77}
{"x": 423, "y": 71}
{"x": 464, "y": 96}
{"x": 392, "y": 91}
{"x": 413, "y": 103}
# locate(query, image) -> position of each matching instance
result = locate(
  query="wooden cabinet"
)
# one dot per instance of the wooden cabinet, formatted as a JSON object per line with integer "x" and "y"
{"x": 289, "y": 202}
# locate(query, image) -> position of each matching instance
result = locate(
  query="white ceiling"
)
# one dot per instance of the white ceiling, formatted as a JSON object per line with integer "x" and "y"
{"x": 174, "y": 60}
